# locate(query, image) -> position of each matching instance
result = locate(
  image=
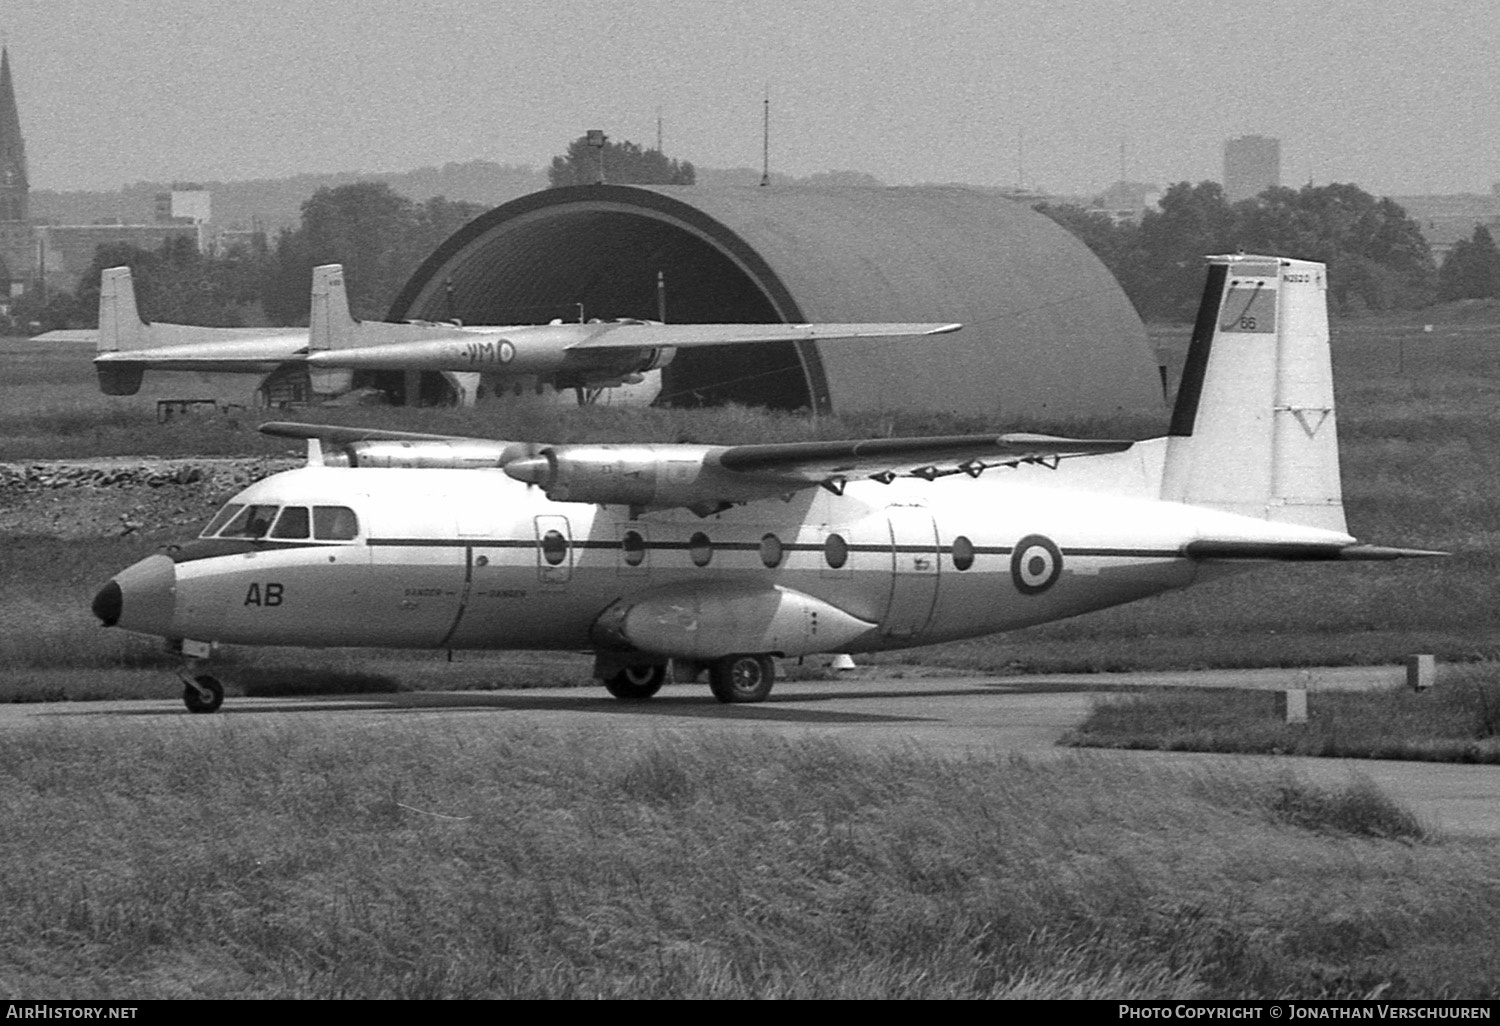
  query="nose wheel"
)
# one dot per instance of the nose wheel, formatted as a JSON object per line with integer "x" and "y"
{"x": 202, "y": 693}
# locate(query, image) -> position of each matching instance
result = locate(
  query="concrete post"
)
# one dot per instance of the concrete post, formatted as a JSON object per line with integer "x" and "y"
{"x": 1421, "y": 672}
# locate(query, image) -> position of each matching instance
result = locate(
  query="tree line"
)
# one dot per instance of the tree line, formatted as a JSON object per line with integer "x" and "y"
{"x": 380, "y": 236}
{"x": 1377, "y": 258}
{"x": 1376, "y": 255}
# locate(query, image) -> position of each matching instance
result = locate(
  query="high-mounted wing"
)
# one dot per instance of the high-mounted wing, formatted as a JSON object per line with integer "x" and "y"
{"x": 649, "y": 335}
{"x": 378, "y": 447}
{"x": 707, "y": 478}
{"x": 697, "y": 477}
{"x": 580, "y": 353}
{"x": 913, "y": 457}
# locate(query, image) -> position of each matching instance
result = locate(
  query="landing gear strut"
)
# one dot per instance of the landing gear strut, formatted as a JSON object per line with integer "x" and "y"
{"x": 742, "y": 678}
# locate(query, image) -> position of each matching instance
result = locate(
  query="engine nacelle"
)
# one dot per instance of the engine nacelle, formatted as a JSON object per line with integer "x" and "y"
{"x": 457, "y": 454}
{"x": 708, "y": 621}
{"x": 644, "y": 476}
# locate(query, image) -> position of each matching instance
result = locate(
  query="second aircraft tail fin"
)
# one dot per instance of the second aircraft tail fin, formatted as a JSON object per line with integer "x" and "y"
{"x": 330, "y": 326}
{"x": 120, "y": 325}
{"x": 1253, "y": 430}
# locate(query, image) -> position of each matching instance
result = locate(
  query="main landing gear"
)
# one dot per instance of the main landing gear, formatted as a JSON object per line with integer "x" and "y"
{"x": 636, "y": 683}
{"x": 734, "y": 678}
{"x": 742, "y": 678}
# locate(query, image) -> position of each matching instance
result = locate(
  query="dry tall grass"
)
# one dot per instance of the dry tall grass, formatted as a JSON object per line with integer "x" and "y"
{"x": 246, "y": 857}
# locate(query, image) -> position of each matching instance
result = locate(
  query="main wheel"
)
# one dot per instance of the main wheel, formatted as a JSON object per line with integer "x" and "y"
{"x": 198, "y": 702}
{"x": 636, "y": 683}
{"x": 742, "y": 678}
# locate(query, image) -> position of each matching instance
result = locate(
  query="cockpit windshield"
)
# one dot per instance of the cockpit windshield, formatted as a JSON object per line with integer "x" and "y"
{"x": 284, "y": 523}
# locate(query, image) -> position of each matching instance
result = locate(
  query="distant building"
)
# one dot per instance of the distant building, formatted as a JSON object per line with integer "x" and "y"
{"x": 1125, "y": 202}
{"x": 1252, "y": 164}
{"x": 185, "y": 204}
{"x": 67, "y": 250}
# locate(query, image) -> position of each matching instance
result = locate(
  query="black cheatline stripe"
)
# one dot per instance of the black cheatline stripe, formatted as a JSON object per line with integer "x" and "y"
{"x": 1190, "y": 390}
{"x": 664, "y": 546}
{"x": 1162, "y": 553}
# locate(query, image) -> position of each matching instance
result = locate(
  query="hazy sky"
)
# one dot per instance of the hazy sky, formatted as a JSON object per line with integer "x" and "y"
{"x": 1399, "y": 97}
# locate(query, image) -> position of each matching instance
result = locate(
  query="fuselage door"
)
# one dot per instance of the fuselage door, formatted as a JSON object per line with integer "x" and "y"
{"x": 554, "y": 550}
{"x": 914, "y": 571}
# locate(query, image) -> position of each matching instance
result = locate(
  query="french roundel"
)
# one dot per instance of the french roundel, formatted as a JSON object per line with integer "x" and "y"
{"x": 1035, "y": 564}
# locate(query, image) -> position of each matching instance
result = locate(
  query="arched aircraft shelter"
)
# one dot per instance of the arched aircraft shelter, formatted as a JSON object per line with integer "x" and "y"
{"x": 1048, "y": 332}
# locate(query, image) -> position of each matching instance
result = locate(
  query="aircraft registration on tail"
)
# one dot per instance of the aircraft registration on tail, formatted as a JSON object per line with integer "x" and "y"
{"x": 725, "y": 558}
{"x": 583, "y": 357}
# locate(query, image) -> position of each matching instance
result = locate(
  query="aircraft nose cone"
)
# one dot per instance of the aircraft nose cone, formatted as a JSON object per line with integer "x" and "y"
{"x": 142, "y": 597}
{"x": 107, "y": 604}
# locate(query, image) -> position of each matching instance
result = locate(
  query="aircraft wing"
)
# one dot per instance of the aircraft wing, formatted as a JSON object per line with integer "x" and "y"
{"x": 335, "y": 434}
{"x": 627, "y": 335}
{"x": 912, "y": 457}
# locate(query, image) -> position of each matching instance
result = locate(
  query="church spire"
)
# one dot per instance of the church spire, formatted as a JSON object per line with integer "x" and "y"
{"x": 13, "y": 179}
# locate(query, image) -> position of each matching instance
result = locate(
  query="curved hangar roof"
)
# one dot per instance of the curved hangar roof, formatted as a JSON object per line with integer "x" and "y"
{"x": 1047, "y": 331}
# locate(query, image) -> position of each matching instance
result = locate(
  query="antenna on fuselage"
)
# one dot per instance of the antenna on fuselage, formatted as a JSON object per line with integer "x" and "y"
{"x": 765, "y": 141}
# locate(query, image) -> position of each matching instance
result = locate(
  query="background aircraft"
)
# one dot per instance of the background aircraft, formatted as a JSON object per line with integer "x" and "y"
{"x": 725, "y": 557}
{"x": 580, "y": 357}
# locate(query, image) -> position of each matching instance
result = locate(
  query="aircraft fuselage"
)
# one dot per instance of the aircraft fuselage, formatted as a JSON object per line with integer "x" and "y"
{"x": 472, "y": 559}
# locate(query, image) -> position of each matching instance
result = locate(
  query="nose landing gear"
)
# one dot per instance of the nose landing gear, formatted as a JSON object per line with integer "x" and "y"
{"x": 201, "y": 692}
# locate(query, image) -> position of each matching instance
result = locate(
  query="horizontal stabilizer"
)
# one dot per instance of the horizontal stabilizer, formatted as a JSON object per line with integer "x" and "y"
{"x": 88, "y": 335}
{"x": 1299, "y": 552}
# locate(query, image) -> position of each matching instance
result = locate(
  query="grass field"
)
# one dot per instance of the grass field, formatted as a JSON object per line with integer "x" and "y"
{"x": 235, "y": 857}
{"x": 1457, "y": 721}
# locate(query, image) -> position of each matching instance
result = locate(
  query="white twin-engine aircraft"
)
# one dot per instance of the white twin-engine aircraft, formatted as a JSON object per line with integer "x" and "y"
{"x": 724, "y": 557}
{"x": 603, "y": 354}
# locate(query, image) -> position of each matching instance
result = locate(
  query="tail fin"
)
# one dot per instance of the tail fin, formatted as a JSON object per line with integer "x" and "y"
{"x": 330, "y": 326}
{"x": 120, "y": 326}
{"x": 1253, "y": 430}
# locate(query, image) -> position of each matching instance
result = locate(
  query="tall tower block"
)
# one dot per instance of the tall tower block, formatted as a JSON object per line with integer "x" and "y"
{"x": 17, "y": 246}
{"x": 1252, "y": 164}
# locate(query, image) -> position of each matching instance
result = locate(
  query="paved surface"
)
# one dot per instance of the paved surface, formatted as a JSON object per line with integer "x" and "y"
{"x": 953, "y": 716}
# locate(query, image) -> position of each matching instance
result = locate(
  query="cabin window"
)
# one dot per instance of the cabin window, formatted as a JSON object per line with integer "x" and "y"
{"x": 836, "y": 551}
{"x": 963, "y": 553}
{"x": 700, "y": 549}
{"x": 293, "y": 523}
{"x": 634, "y": 547}
{"x": 250, "y": 522}
{"x": 334, "y": 523}
{"x": 554, "y": 548}
{"x": 771, "y": 551}
{"x": 223, "y": 518}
